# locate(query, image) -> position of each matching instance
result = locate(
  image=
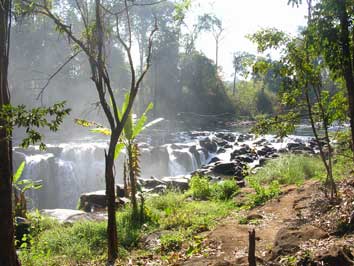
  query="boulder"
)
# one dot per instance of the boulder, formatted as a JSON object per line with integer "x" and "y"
{"x": 288, "y": 240}
{"x": 295, "y": 146}
{"x": 241, "y": 183}
{"x": 245, "y": 158}
{"x": 334, "y": 256}
{"x": 214, "y": 160}
{"x": 151, "y": 182}
{"x": 226, "y": 136}
{"x": 219, "y": 141}
{"x": 209, "y": 145}
{"x": 96, "y": 199}
{"x": 244, "y": 137}
{"x": 228, "y": 146}
{"x": 66, "y": 215}
{"x": 179, "y": 183}
{"x": 240, "y": 151}
{"x": 234, "y": 168}
{"x": 160, "y": 189}
{"x": 193, "y": 150}
{"x": 22, "y": 227}
{"x": 261, "y": 141}
{"x": 120, "y": 190}
{"x": 221, "y": 150}
{"x": 266, "y": 151}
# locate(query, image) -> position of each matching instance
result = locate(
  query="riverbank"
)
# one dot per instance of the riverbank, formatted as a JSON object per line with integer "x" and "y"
{"x": 176, "y": 224}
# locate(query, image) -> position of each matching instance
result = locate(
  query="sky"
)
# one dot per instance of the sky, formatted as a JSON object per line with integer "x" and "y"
{"x": 242, "y": 17}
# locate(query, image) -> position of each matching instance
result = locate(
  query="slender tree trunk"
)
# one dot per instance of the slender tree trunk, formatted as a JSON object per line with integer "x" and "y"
{"x": 111, "y": 203}
{"x": 7, "y": 246}
{"x": 217, "y": 54}
{"x": 347, "y": 63}
{"x": 234, "y": 87}
{"x": 252, "y": 248}
{"x": 132, "y": 181}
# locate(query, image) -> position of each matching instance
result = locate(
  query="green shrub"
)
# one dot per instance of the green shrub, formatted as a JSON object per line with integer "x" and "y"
{"x": 224, "y": 190}
{"x": 171, "y": 241}
{"x": 290, "y": 169}
{"x": 200, "y": 187}
{"x": 263, "y": 193}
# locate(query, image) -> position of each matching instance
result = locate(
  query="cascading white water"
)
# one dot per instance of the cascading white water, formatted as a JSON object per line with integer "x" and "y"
{"x": 69, "y": 169}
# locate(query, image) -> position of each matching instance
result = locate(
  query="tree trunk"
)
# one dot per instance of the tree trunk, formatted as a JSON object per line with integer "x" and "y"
{"x": 217, "y": 54}
{"x": 252, "y": 248}
{"x": 132, "y": 182}
{"x": 234, "y": 87}
{"x": 7, "y": 250}
{"x": 111, "y": 204}
{"x": 347, "y": 63}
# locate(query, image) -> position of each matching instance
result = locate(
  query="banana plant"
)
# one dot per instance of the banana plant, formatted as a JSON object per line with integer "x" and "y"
{"x": 20, "y": 187}
{"x": 132, "y": 128}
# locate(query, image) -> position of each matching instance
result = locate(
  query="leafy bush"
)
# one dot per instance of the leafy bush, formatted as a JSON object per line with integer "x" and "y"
{"x": 172, "y": 241}
{"x": 263, "y": 193}
{"x": 200, "y": 187}
{"x": 290, "y": 169}
{"x": 224, "y": 190}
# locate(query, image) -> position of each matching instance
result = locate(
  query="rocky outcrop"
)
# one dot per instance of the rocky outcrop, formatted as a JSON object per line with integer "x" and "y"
{"x": 334, "y": 256}
{"x": 96, "y": 199}
{"x": 179, "y": 183}
{"x": 235, "y": 168}
{"x": 66, "y": 215}
{"x": 288, "y": 240}
{"x": 209, "y": 145}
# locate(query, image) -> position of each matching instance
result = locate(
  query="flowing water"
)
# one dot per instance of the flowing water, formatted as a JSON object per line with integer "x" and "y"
{"x": 70, "y": 168}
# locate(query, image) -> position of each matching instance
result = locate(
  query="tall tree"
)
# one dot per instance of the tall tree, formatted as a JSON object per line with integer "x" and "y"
{"x": 241, "y": 62}
{"x": 7, "y": 250}
{"x": 10, "y": 117}
{"x": 97, "y": 21}
{"x": 332, "y": 20}
{"x": 213, "y": 24}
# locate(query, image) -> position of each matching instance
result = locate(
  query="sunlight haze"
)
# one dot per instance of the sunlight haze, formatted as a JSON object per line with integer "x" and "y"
{"x": 241, "y": 18}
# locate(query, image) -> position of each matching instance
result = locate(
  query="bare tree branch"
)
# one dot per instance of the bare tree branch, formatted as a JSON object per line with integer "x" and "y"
{"x": 40, "y": 94}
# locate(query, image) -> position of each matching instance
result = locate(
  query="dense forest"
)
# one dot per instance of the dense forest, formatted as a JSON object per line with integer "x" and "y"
{"x": 122, "y": 142}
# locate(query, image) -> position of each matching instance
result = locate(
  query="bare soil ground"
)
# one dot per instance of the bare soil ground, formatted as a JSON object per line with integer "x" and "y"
{"x": 227, "y": 244}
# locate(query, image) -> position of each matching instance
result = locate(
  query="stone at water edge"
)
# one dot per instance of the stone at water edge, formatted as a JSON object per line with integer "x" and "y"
{"x": 151, "y": 182}
{"x": 214, "y": 160}
{"x": 22, "y": 227}
{"x": 66, "y": 215}
{"x": 230, "y": 169}
{"x": 180, "y": 183}
{"x": 96, "y": 199}
{"x": 209, "y": 145}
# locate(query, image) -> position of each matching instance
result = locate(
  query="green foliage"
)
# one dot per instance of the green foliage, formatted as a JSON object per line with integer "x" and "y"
{"x": 290, "y": 169}
{"x": 263, "y": 192}
{"x": 172, "y": 241}
{"x": 200, "y": 187}
{"x": 52, "y": 243}
{"x": 82, "y": 242}
{"x": 31, "y": 120}
{"x": 269, "y": 39}
{"x": 224, "y": 190}
{"x": 21, "y": 186}
{"x": 202, "y": 90}
{"x": 253, "y": 99}
{"x": 181, "y": 8}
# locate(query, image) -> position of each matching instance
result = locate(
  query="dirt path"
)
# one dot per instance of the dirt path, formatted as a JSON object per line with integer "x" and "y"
{"x": 228, "y": 242}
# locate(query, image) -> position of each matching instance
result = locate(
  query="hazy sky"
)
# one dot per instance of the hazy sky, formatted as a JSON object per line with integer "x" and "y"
{"x": 241, "y": 17}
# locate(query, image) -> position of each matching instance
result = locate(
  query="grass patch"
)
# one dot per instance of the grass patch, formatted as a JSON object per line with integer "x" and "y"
{"x": 52, "y": 243}
{"x": 290, "y": 169}
{"x": 84, "y": 243}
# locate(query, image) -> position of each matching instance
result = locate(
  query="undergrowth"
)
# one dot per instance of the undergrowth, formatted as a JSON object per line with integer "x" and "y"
{"x": 290, "y": 169}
